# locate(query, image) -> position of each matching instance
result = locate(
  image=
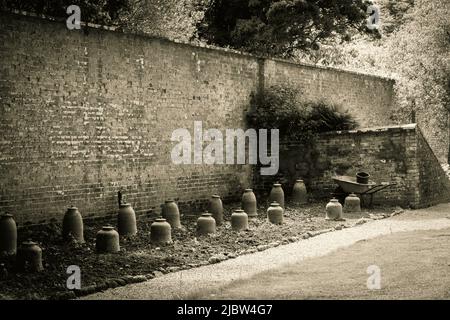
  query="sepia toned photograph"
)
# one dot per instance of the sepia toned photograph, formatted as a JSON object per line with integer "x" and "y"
{"x": 224, "y": 155}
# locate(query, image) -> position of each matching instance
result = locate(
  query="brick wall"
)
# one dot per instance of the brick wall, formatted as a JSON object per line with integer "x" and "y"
{"x": 85, "y": 113}
{"x": 434, "y": 123}
{"x": 356, "y": 93}
{"x": 394, "y": 154}
{"x": 434, "y": 187}
{"x": 433, "y": 119}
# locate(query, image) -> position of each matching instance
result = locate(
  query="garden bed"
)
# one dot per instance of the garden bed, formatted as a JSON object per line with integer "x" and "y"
{"x": 139, "y": 260}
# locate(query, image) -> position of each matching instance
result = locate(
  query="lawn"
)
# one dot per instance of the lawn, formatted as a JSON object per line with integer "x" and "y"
{"x": 413, "y": 265}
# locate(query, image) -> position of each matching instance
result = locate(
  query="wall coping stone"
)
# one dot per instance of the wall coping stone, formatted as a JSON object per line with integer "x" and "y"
{"x": 391, "y": 128}
{"x": 198, "y": 45}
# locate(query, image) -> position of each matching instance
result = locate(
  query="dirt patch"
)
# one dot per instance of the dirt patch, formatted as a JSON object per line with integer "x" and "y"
{"x": 141, "y": 259}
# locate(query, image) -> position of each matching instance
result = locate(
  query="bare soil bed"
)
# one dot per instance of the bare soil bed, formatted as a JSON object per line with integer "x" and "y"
{"x": 139, "y": 260}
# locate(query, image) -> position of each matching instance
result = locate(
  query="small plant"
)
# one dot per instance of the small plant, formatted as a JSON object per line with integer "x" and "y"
{"x": 281, "y": 108}
{"x": 326, "y": 117}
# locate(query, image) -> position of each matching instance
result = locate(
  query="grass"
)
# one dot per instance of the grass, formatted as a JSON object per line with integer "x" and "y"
{"x": 414, "y": 265}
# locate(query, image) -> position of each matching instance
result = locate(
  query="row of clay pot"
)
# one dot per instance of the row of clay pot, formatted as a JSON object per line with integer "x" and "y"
{"x": 107, "y": 239}
{"x": 72, "y": 226}
{"x": 126, "y": 219}
{"x": 334, "y": 210}
{"x": 28, "y": 255}
{"x": 73, "y": 223}
{"x": 299, "y": 196}
{"x": 206, "y": 224}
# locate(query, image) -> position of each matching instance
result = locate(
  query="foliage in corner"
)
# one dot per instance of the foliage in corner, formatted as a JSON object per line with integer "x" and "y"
{"x": 324, "y": 117}
{"x": 105, "y": 12}
{"x": 281, "y": 108}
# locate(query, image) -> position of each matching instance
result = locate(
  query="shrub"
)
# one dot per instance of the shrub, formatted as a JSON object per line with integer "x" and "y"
{"x": 281, "y": 108}
{"x": 328, "y": 118}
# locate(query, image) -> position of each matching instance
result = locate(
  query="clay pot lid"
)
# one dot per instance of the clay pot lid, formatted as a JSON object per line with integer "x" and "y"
{"x": 107, "y": 228}
{"x": 206, "y": 214}
{"x": 170, "y": 201}
{"x": 160, "y": 219}
{"x": 277, "y": 184}
{"x": 248, "y": 190}
{"x": 352, "y": 195}
{"x": 299, "y": 180}
{"x": 239, "y": 210}
{"x": 274, "y": 204}
{"x": 29, "y": 243}
{"x": 334, "y": 200}
{"x": 215, "y": 196}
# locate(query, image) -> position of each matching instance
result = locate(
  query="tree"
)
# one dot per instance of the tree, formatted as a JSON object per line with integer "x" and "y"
{"x": 105, "y": 12}
{"x": 394, "y": 13}
{"x": 172, "y": 19}
{"x": 279, "y": 27}
{"x": 419, "y": 53}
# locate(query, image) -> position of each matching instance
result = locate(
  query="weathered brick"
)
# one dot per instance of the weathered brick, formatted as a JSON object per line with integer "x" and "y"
{"x": 420, "y": 179}
{"x": 84, "y": 114}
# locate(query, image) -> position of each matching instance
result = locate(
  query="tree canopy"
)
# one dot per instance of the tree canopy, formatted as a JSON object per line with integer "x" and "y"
{"x": 279, "y": 27}
{"x": 105, "y": 12}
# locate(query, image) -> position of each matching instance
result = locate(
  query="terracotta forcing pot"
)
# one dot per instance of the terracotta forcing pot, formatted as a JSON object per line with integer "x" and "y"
{"x": 160, "y": 232}
{"x": 352, "y": 203}
{"x": 107, "y": 240}
{"x": 239, "y": 220}
{"x": 126, "y": 220}
{"x": 299, "y": 194}
{"x": 73, "y": 225}
{"x": 334, "y": 210}
{"x": 216, "y": 208}
{"x": 275, "y": 213}
{"x": 171, "y": 213}
{"x": 277, "y": 194}
{"x": 249, "y": 204}
{"x": 29, "y": 257}
{"x": 206, "y": 224}
{"x": 8, "y": 234}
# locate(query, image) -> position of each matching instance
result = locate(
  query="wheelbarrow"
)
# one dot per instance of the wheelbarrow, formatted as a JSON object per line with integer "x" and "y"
{"x": 348, "y": 184}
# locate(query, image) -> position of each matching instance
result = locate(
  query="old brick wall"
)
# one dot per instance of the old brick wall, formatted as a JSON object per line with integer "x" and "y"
{"x": 433, "y": 120}
{"x": 434, "y": 123}
{"x": 356, "y": 93}
{"x": 434, "y": 185}
{"x": 85, "y": 113}
{"x": 395, "y": 154}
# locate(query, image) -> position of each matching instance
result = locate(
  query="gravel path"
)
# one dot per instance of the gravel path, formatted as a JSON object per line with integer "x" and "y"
{"x": 189, "y": 283}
